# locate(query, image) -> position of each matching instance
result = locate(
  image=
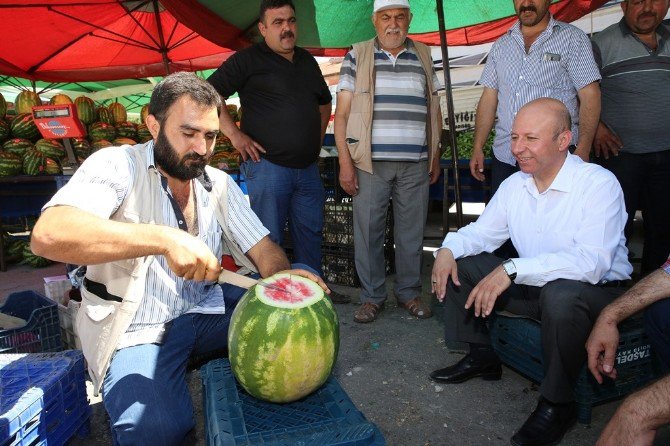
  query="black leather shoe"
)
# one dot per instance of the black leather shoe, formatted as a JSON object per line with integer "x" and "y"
{"x": 546, "y": 425}
{"x": 467, "y": 368}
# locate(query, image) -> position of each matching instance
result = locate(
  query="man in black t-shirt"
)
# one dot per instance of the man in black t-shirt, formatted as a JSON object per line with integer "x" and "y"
{"x": 286, "y": 108}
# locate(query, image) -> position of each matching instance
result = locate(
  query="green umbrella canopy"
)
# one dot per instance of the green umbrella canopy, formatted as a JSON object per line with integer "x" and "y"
{"x": 329, "y": 26}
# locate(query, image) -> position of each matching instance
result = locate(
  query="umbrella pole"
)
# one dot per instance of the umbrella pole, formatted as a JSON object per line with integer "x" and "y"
{"x": 451, "y": 119}
{"x": 166, "y": 62}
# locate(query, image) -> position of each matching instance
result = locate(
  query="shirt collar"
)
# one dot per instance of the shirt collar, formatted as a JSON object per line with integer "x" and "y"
{"x": 564, "y": 178}
{"x": 203, "y": 179}
{"x": 408, "y": 45}
{"x": 516, "y": 28}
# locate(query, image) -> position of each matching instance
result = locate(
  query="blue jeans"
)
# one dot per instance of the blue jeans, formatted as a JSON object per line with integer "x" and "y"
{"x": 145, "y": 391}
{"x": 278, "y": 194}
{"x": 657, "y": 326}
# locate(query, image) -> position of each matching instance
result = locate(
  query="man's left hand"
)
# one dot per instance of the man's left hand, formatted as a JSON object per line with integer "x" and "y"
{"x": 601, "y": 348}
{"x": 311, "y": 276}
{"x": 487, "y": 291}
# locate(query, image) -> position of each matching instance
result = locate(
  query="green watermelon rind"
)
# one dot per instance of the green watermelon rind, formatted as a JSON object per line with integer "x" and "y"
{"x": 285, "y": 367}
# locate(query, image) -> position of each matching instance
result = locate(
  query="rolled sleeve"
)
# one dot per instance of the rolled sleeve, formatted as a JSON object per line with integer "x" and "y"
{"x": 583, "y": 69}
{"x": 348, "y": 73}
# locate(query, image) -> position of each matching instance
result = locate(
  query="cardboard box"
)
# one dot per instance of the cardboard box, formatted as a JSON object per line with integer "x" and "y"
{"x": 57, "y": 288}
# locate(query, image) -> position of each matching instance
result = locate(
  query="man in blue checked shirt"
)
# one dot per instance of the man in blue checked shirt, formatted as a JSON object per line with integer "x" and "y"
{"x": 537, "y": 57}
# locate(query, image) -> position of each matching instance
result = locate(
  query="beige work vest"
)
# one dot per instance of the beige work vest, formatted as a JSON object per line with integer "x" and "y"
{"x": 359, "y": 123}
{"x": 100, "y": 323}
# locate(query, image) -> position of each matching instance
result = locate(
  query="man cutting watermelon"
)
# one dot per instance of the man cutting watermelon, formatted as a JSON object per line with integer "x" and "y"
{"x": 151, "y": 221}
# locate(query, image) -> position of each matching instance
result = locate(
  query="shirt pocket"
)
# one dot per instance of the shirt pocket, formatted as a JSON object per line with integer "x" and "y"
{"x": 549, "y": 74}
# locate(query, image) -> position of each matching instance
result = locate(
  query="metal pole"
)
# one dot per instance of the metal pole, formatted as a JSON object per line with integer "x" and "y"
{"x": 450, "y": 117}
{"x": 161, "y": 38}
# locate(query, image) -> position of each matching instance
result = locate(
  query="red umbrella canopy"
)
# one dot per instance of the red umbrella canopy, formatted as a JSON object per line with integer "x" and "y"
{"x": 89, "y": 40}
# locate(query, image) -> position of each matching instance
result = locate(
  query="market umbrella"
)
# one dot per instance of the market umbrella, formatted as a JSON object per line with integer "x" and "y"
{"x": 93, "y": 40}
{"x": 329, "y": 27}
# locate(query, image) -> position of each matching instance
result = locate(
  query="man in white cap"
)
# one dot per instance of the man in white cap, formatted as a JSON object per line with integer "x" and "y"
{"x": 387, "y": 131}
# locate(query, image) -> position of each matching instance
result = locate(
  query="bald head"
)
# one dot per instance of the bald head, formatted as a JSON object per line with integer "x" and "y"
{"x": 557, "y": 111}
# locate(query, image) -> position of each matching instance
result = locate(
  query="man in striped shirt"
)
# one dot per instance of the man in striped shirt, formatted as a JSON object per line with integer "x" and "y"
{"x": 387, "y": 129}
{"x": 152, "y": 221}
{"x": 633, "y": 137}
{"x": 537, "y": 57}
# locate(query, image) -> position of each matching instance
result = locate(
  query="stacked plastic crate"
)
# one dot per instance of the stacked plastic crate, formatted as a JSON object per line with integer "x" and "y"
{"x": 337, "y": 249}
{"x": 42, "y": 398}
{"x": 324, "y": 418}
{"x": 41, "y": 333}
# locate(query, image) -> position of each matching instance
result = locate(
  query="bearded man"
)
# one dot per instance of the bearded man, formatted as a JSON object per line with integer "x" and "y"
{"x": 152, "y": 222}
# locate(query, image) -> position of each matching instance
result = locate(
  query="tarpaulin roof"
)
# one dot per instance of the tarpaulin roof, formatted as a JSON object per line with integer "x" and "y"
{"x": 87, "y": 40}
{"x": 328, "y": 26}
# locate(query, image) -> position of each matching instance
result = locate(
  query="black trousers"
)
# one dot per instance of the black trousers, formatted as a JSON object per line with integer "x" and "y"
{"x": 645, "y": 181}
{"x": 567, "y": 310}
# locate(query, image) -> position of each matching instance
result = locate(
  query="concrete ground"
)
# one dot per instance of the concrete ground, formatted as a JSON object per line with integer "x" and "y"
{"x": 384, "y": 367}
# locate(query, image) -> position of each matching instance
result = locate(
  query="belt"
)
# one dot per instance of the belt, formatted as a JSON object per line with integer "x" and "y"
{"x": 614, "y": 284}
{"x": 100, "y": 290}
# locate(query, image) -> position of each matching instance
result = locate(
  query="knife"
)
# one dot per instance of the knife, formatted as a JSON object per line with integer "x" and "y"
{"x": 241, "y": 281}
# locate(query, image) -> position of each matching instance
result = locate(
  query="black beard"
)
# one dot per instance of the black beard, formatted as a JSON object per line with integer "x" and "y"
{"x": 166, "y": 158}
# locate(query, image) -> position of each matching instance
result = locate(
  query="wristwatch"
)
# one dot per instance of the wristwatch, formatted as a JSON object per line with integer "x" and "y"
{"x": 510, "y": 269}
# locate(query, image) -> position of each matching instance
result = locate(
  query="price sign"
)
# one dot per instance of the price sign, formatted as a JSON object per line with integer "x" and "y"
{"x": 58, "y": 121}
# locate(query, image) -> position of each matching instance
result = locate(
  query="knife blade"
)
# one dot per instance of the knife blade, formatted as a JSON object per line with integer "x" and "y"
{"x": 241, "y": 281}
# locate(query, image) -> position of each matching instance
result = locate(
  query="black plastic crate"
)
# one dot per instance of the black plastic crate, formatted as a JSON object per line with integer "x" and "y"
{"x": 42, "y": 330}
{"x": 324, "y": 418}
{"x": 329, "y": 169}
{"x": 339, "y": 266}
{"x": 517, "y": 340}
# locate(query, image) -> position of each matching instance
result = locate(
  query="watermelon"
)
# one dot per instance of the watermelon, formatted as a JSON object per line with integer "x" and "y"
{"x": 34, "y": 162}
{"x": 82, "y": 148}
{"x": 51, "y": 148}
{"x": 16, "y": 247}
{"x": 223, "y": 144}
{"x": 25, "y": 101}
{"x": 126, "y": 130}
{"x": 31, "y": 259}
{"x": 144, "y": 113}
{"x": 52, "y": 167}
{"x": 104, "y": 115}
{"x": 225, "y": 160}
{"x": 143, "y": 133}
{"x": 123, "y": 141}
{"x": 60, "y": 99}
{"x": 17, "y": 146}
{"x": 101, "y": 130}
{"x": 85, "y": 109}
{"x": 283, "y": 344}
{"x": 10, "y": 164}
{"x": 23, "y": 126}
{"x": 232, "y": 111}
{"x": 3, "y": 106}
{"x": 4, "y": 130}
{"x": 100, "y": 144}
{"x": 118, "y": 112}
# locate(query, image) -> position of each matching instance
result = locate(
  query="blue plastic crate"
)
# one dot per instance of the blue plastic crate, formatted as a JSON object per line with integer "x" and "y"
{"x": 42, "y": 398}
{"x": 42, "y": 330}
{"x": 326, "y": 417}
{"x": 517, "y": 341}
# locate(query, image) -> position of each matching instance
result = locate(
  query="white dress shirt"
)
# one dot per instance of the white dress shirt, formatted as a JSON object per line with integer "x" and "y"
{"x": 573, "y": 230}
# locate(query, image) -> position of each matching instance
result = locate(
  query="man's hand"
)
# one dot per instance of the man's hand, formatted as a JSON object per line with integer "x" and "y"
{"x": 477, "y": 164}
{"x": 189, "y": 257}
{"x": 606, "y": 142}
{"x": 247, "y": 147}
{"x": 601, "y": 347}
{"x": 348, "y": 179}
{"x": 308, "y": 275}
{"x": 444, "y": 268}
{"x": 487, "y": 291}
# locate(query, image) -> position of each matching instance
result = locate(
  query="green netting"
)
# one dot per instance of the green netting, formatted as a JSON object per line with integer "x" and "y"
{"x": 339, "y": 23}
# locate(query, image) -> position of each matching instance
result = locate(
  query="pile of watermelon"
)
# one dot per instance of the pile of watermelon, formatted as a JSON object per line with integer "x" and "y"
{"x": 17, "y": 248}
{"x": 24, "y": 152}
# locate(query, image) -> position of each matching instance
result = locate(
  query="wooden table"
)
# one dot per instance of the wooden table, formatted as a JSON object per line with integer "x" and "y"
{"x": 24, "y": 195}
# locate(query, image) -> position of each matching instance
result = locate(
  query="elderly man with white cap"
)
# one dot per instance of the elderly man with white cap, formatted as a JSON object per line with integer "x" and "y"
{"x": 387, "y": 131}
